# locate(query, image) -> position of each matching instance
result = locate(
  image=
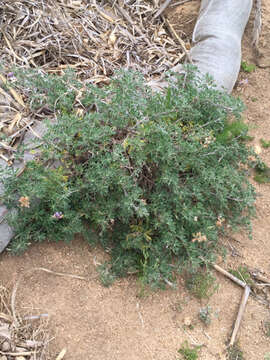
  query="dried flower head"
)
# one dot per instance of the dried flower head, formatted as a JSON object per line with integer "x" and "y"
{"x": 24, "y": 201}
{"x": 199, "y": 237}
{"x": 220, "y": 221}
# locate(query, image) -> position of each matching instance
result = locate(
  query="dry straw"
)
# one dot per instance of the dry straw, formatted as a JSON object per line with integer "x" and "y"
{"x": 94, "y": 37}
{"x": 24, "y": 337}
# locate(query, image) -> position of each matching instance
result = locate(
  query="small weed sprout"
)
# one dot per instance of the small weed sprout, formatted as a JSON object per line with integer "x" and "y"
{"x": 201, "y": 284}
{"x": 188, "y": 353}
{"x": 267, "y": 356}
{"x": 205, "y": 315}
{"x": 248, "y": 68}
{"x": 235, "y": 353}
{"x": 242, "y": 274}
{"x": 265, "y": 144}
{"x": 106, "y": 276}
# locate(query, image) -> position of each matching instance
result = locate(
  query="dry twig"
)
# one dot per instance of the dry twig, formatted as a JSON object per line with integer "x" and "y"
{"x": 61, "y": 354}
{"x": 243, "y": 303}
{"x": 244, "y": 300}
{"x": 96, "y": 39}
{"x": 162, "y": 8}
{"x": 180, "y": 2}
{"x": 229, "y": 275}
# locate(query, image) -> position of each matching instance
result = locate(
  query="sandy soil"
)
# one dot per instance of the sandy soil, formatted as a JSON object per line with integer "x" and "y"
{"x": 94, "y": 322}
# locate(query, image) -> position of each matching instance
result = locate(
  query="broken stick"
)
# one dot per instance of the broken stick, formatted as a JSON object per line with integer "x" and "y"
{"x": 243, "y": 303}
{"x": 229, "y": 275}
{"x": 240, "y": 314}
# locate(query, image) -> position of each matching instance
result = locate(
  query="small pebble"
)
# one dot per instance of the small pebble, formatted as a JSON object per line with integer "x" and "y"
{"x": 257, "y": 149}
{"x": 187, "y": 321}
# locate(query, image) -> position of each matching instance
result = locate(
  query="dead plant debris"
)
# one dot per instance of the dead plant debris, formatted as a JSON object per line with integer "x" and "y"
{"x": 24, "y": 338}
{"x": 14, "y": 120}
{"x": 95, "y": 37}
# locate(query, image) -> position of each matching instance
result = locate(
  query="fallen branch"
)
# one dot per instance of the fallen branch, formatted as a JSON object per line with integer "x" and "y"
{"x": 243, "y": 303}
{"x": 230, "y": 276}
{"x": 17, "y": 354}
{"x": 240, "y": 314}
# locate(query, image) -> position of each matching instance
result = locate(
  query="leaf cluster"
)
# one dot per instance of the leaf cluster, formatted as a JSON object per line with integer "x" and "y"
{"x": 188, "y": 353}
{"x": 242, "y": 273}
{"x": 248, "y": 68}
{"x": 205, "y": 315}
{"x": 262, "y": 173}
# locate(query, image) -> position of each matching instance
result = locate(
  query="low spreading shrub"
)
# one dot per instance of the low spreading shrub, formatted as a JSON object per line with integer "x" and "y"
{"x": 156, "y": 176}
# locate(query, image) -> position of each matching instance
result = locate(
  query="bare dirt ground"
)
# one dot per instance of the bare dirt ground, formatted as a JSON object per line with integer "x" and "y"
{"x": 94, "y": 322}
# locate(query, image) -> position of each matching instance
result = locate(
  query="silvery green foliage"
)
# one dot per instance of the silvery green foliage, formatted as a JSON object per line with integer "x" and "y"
{"x": 6, "y": 232}
{"x": 154, "y": 178}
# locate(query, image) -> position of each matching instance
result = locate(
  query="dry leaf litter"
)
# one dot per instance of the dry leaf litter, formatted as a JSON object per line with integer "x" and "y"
{"x": 93, "y": 37}
{"x": 21, "y": 337}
